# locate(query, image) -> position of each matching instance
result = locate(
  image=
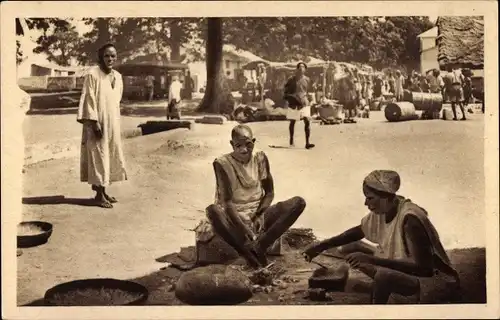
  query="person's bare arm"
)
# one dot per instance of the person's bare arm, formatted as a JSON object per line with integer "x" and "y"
{"x": 348, "y": 236}
{"x": 419, "y": 246}
{"x": 268, "y": 186}
{"x": 225, "y": 195}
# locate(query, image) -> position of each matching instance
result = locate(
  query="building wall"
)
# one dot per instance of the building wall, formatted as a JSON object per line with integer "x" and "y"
{"x": 230, "y": 64}
{"x": 429, "y": 60}
{"x": 427, "y": 43}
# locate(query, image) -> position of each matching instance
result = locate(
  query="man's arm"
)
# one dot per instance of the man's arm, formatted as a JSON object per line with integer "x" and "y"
{"x": 268, "y": 186}
{"x": 224, "y": 195}
{"x": 348, "y": 236}
{"x": 419, "y": 247}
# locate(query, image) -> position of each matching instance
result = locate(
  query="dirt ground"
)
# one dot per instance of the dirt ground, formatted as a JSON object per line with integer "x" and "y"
{"x": 171, "y": 182}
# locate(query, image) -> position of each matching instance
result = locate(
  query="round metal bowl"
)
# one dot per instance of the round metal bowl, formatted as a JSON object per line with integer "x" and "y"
{"x": 73, "y": 293}
{"x": 28, "y": 241}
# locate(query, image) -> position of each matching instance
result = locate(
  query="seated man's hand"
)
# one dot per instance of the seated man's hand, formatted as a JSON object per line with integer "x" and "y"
{"x": 311, "y": 252}
{"x": 357, "y": 258}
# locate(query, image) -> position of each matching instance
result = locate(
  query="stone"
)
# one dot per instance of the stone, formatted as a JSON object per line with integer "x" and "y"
{"x": 213, "y": 285}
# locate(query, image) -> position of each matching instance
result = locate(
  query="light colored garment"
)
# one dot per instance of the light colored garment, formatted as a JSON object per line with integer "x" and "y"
{"x": 298, "y": 114}
{"x": 268, "y": 103}
{"x": 174, "y": 92}
{"x": 391, "y": 245}
{"x": 150, "y": 81}
{"x": 102, "y": 161}
{"x": 245, "y": 181}
{"x": 13, "y": 116}
{"x": 398, "y": 87}
{"x": 246, "y": 186}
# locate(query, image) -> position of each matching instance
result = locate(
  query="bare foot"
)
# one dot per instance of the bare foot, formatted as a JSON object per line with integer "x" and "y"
{"x": 110, "y": 198}
{"x": 102, "y": 202}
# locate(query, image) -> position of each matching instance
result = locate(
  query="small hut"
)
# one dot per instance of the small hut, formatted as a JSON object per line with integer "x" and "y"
{"x": 460, "y": 42}
{"x": 136, "y": 71}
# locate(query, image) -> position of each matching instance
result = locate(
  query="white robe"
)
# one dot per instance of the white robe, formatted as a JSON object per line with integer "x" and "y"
{"x": 102, "y": 161}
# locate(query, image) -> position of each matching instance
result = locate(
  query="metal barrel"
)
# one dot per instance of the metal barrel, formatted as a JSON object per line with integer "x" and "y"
{"x": 400, "y": 111}
{"x": 428, "y": 102}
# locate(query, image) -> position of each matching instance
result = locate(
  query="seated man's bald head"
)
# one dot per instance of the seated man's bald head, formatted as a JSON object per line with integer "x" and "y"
{"x": 241, "y": 131}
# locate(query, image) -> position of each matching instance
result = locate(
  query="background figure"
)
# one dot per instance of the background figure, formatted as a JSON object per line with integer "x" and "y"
{"x": 298, "y": 103}
{"x": 377, "y": 87}
{"x": 174, "y": 99}
{"x": 423, "y": 84}
{"x": 435, "y": 81}
{"x": 467, "y": 90}
{"x": 150, "y": 87}
{"x": 455, "y": 92}
{"x": 102, "y": 159}
{"x": 348, "y": 95}
{"x": 391, "y": 82}
{"x": 398, "y": 86}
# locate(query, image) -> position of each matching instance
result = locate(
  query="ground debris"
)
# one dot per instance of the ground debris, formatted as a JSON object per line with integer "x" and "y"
{"x": 299, "y": 238}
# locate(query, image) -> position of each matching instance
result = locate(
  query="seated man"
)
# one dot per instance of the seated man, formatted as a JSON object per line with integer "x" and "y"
{"x": 242, "y": 214}
{"x": 409, "y": 260}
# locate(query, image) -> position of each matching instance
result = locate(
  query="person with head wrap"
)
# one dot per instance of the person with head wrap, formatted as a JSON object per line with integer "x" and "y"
{"x": 102, "y": 161}
{"x": 298, "y": 102}
{"x": 409, "y": 261}
{"x": 243, "y": 214}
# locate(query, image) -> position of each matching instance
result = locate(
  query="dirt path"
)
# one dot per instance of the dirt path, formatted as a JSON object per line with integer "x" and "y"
{"x": 171, "y": 182}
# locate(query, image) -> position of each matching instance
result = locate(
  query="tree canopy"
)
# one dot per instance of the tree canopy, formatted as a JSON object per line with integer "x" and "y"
{"x": 378, "y": 41}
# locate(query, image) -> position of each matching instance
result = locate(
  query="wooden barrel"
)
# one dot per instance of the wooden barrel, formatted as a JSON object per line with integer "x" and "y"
{"x": 429, "y": 102}
{"x": 400, "y": 111}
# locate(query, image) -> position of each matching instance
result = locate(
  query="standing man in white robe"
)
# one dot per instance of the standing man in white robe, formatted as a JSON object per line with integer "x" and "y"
{"x": 174, "y": 98}
{"x": 102, "y": 160}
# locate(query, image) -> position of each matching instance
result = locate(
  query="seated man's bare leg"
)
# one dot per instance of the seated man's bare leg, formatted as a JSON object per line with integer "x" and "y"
{"x": 387, "y": 281}
{"x": 278, "y": 218}
{"x": 231, "y": 233}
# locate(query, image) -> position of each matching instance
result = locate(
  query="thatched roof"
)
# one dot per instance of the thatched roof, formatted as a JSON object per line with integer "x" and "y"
{"x": 460, "y": 42}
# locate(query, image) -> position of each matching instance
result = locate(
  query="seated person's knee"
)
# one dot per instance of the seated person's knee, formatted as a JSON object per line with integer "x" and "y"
{"x": 299, "y": 202}
{"x": 213, "y": 210}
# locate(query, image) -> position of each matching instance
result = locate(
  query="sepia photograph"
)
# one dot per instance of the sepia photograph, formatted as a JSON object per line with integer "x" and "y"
{"x": 263, "y": 160}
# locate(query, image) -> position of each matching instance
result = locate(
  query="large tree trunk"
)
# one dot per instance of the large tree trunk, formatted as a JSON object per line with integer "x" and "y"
{"x": 215, "y": 98}
{"x": 104, "y": 34}
{"x": 175, "y": 43}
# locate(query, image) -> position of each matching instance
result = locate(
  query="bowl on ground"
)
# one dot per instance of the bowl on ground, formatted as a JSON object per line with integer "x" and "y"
{"x": 96, "y": 292}
{"x": 33, "y": 233}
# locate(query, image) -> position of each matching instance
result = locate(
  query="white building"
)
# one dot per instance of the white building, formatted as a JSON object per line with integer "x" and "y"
{"x": 232, "y": 61}
{"x": 428, "y": 50}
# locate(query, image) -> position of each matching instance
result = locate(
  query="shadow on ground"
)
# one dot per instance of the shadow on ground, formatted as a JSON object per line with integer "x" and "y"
{"x": 470, "y": 264}
{"x": 54, "y": 200}
{"x": 154, "y": 109}
{"x": 54, "y": 111}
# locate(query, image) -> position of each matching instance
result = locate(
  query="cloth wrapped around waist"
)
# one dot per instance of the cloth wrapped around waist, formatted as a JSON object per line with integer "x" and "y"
{"x": 204, "y": 230}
